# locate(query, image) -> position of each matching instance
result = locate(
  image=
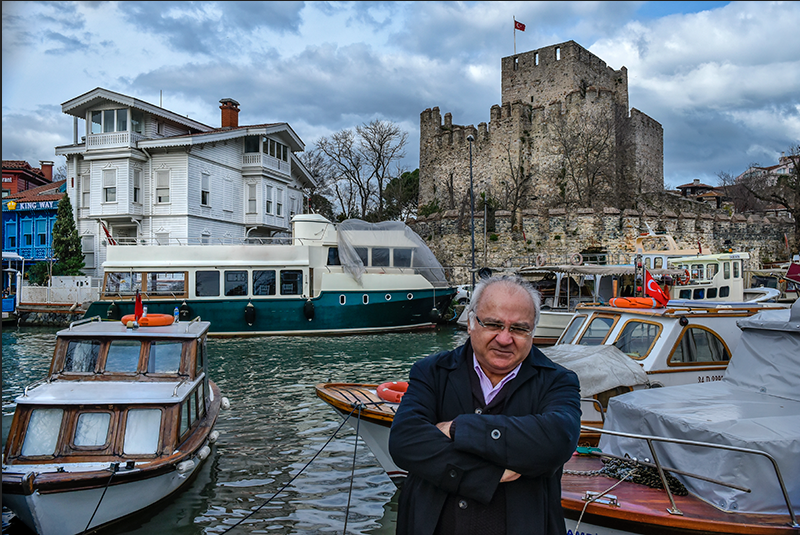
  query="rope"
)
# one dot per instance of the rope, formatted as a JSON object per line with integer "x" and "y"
{"x": 245, "y": 518}
{"x": 114, "y": 467}
{"x": 598, "y": 496}
{"x": 352, "y": 470}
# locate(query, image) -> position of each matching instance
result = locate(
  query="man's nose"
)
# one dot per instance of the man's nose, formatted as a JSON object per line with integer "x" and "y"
{"x": 505, "y": 337}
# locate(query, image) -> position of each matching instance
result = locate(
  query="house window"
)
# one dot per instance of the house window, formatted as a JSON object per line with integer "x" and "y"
{"x": 162, "y": 186}
{"x": 251, "y": 198}
{"x": 86, "y": 193}
{"x": 137, "y": 186}
{"x": 279, "y": 203}
{"x": 137, "y": 121}
{"x": 108, "y": 121}
{"x": 27, "y": 233}
{"x": 122, "y": 120}
{"x": 251, "y": 144}
{"x": 268, "y": 195}
{"x": 97, "y": 122}
{"x": 205, "y": 190}
{"x": 87, "y": 244}
{"x": 285, "y": 154}
{"x": 41, "y": 232}
{"x": 110, "y": 185}
{"x": 11, "y": 235}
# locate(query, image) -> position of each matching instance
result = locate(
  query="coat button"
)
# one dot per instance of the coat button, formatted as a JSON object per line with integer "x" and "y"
{"x": 478, "y": 411}
{"x": 453, "y": 473}
{"x": 495, "y": 434}
{"x": 462, "y": 504}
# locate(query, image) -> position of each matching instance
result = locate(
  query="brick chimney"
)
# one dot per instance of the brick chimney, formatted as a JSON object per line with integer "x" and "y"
{"x": 230, "y": 113}
{"x": 47, "y": 169}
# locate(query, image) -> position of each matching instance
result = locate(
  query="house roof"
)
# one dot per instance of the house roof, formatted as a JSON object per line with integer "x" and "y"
{"x": 46, "y": 192}
{"x": 282, "y": 130}
{"x": 696, "y": 185}
{"x": 24, "y": 166}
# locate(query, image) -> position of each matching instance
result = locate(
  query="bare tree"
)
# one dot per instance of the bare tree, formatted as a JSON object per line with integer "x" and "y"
{"x": 382, "y": 144}
{"x": 737, "y": 194}
{"x": 350, "y": 178}
{"x": 517, "y": 186}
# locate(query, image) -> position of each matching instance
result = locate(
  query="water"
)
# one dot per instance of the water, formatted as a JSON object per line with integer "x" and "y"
{"x": 274, "y": 427}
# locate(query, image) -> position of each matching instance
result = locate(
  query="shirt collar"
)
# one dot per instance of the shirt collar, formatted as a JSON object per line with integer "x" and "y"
{"x": 489, "y": 391}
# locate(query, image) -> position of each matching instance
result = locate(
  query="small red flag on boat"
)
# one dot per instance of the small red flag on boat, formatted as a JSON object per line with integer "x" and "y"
{"x": 519, "y": 26}
{"x": 655, "y": 291}
{"x": 138, "y": 310}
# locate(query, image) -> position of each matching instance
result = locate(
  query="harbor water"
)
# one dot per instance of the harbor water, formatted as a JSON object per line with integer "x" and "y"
{"x": 275, "y": 426}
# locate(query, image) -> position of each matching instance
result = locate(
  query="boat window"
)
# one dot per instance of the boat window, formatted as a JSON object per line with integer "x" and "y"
{"x": 363, "y": 254}
{"x": 42, "y": 433}
{"x": 193, "y": 406}
{"x": 82, "y": 356}
{"x": 235, "y": 282}
{"x": 402, "y": 257}
{"x": 123, "y": 282}
{"x": 711, "y": 293}
{"x": 698, "y": 345}
{"x": 697, "y": 271}
{"x": 165, "y": 357}
{"x": 123, "y": 356}
{"x": 637, "y": 338}
{"x": 699, "y": 294}
{"x": 659, "y": 263}
{"x": 201, "y": 400}
{"x": 726, "y": 270}
{"x": 685, "y": 294}
{"x": 333, "y": 257}
{"x": 380, "y": 256}
{"x": 597, "y": 331}
{"x": 291, "y": 282}
{"x": 166, "y": 283}
{"x": 142, "y": 429}
{"x": 572, "y": 330}
{"x": 185, "y": 418}
{"x": 736, "y": 269}
{"x": 711, "y": 270}
{"x": 264, "y": 282}
{"x": 206, "y": 283}
{"x": 91, "y": 429}
{"x": 724, "y": 292}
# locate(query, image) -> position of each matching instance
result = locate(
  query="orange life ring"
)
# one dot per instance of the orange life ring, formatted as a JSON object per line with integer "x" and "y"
{"x": 685, "y": 278}
{"x": 151, "y": 320}
{"x": 392, "y": 391}
{"x": 639, "y": 303}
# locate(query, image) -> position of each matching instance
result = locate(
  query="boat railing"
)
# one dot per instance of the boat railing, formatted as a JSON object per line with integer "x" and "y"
{"x": 660, "y": 468}
{"x": 190, "y": 322}
{"x": 598, "y": 405}
{"x": 85, "y": 321}
{"x": 211, "y": 241}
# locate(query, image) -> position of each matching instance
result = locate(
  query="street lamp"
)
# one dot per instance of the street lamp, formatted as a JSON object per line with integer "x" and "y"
{"x": 470, "y": 139}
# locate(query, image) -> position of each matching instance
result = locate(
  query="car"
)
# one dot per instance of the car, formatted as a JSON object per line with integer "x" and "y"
{"x": 463, "y": 294}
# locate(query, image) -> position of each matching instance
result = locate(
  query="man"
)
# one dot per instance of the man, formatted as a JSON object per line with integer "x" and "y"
{"x": 484, "y": 430}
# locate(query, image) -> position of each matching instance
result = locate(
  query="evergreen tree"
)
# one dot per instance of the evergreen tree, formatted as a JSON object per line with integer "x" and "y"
{"x": 66, "y": 242}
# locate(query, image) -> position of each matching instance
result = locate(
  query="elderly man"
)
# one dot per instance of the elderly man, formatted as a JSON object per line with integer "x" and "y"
{"x": 484, "y": 430}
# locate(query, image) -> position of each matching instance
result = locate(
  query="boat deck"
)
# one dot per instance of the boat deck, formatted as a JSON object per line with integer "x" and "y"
{"x": 345, "y": 396}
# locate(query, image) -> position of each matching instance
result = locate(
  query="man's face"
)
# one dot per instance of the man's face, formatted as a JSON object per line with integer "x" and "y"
{"x": 499, "y": 352}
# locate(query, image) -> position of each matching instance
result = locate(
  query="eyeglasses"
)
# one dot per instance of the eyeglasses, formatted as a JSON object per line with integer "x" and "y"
{"x": 515, "y": 330}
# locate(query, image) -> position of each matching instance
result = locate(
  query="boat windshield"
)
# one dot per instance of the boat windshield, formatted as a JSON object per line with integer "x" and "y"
{"x": 637, "y": 338}
{"x": 598, "y": 330}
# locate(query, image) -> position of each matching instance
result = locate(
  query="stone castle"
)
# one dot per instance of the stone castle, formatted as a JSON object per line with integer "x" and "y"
{"x": 546, "y": 94}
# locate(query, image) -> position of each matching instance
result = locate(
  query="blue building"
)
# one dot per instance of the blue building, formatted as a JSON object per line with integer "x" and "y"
{"x": 28, "y": 219}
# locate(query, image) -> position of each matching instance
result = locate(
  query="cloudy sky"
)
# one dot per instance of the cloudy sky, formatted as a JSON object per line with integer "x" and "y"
{"x": 723, "y": 78}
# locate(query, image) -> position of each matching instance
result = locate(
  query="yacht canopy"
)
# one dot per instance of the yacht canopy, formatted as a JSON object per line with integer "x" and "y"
{"x": 599, "y": 368}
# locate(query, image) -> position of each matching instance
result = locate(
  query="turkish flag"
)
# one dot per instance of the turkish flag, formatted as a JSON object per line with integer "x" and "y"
{"x": 655, "y": 291}
{"x": 519, "y": 26}
{"x": 138, "y": 309}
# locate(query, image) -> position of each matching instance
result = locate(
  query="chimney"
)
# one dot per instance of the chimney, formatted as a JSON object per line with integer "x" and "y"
{"x": 47, "y": 169}
{"x": 230, "y": 113}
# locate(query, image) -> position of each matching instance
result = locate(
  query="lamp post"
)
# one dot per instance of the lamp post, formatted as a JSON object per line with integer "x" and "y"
{"x": 470, "y": 139}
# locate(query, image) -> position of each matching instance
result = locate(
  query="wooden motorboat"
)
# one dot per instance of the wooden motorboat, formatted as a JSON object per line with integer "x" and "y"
{"x": 124, "y": 418}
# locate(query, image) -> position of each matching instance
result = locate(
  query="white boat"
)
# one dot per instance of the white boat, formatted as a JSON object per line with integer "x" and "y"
{"x": 734, "y": 445}
{"x": 124, "y": 418}
{"x": 352, "y": 277}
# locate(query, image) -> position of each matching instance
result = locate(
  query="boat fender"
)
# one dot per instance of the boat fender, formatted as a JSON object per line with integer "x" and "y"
{"x": 113, "y": 311}
{"x": 212, "y": 437}
{"x": 392, "y": 391}
{"x": 151, "y": 320}
{"x": 683, "y": 321}
{"x": 185, "y": 466}
{"x": 308, "y": 310}
{"x": 434, "y": 315}
{"x": 225, "y": 403}
{"x": 203, "y": 453}
{"x": 185, "y": 312}
{"x": 576, "y": 259}
{"x": 249, "y": 314}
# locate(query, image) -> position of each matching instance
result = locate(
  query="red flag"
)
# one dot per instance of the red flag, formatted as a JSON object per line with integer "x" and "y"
{"x": 519, "y": 26}
{"x": 655, "y": 291}
{"x": 138, "y": 310}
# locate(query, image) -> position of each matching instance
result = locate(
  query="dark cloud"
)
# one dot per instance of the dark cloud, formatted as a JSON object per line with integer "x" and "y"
{"x": 33, "y": 136}
{"x": 65, "y": 44}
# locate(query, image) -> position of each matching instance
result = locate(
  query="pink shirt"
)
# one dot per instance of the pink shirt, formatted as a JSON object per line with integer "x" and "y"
{"x": 490, "y": 392}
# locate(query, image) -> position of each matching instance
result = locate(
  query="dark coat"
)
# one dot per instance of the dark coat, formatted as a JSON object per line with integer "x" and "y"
{"x": 536, "y": 434}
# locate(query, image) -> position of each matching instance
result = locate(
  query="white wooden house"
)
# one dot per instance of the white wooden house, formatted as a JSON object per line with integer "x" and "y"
{"x": 140, "y": 172}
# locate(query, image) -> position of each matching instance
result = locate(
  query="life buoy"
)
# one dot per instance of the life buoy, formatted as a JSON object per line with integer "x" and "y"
{"x": 151, "y": 320}
{"x": 684, "y": 278}
{"x": 576, "y": 259}
{"x": 392, "y": 391}
{"x": 540, "y": 259}
{"x": 639, "y": 303}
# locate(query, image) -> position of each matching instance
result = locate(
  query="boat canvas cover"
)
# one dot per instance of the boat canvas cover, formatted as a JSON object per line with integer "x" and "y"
{"x": 599, "y": 368}
{"x": 354, "y": 233}
{"x": 756, "y": 405}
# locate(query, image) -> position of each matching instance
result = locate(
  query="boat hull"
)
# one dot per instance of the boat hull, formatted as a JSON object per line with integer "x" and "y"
{"x": 395, "y": 310}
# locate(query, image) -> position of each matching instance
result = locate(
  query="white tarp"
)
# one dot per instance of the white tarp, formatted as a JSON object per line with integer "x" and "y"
{"x": 599, "y": 368}
{"x": 755, "y": 406}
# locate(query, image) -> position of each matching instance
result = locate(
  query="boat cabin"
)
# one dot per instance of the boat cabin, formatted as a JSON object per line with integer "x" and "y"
{"x": 710, "y": 277}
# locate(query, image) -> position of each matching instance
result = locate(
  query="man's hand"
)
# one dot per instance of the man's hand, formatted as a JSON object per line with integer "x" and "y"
{"x": 509, "y": 476}
{"x": 444, "y": 427}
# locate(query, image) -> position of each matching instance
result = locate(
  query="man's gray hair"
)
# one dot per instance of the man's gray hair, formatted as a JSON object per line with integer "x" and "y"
{"x": 513, "y": 282}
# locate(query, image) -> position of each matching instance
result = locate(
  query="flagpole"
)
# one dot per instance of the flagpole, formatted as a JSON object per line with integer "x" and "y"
{"x": 515, "y": 34}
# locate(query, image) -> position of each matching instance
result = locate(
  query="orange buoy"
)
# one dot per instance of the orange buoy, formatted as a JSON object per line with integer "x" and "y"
{"x": 640, "y": 303}
{"x": 150, "y": 320}
{"x": 392, "y": 391}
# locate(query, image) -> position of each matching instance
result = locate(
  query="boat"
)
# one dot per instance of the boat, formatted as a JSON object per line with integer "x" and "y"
{"x": 13, "y": 267}
{"x": 732, "y": 448}
{"x": 123, "y": 420}
{"x": 332, "y": 279}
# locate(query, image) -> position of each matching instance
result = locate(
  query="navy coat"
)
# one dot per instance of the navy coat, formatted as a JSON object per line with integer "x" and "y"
{"x": 536, "y": 434}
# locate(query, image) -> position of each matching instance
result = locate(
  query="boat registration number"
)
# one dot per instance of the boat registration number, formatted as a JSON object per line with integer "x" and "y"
{"x": 703, "y": 379}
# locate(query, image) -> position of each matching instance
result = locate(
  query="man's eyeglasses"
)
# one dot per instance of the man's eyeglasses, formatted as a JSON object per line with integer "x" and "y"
{"x": 515, "y": 330}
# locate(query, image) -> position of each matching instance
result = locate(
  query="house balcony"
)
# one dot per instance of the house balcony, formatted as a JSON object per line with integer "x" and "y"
{"x": 110, "y": 140}
{"x": 257, "y": 161}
